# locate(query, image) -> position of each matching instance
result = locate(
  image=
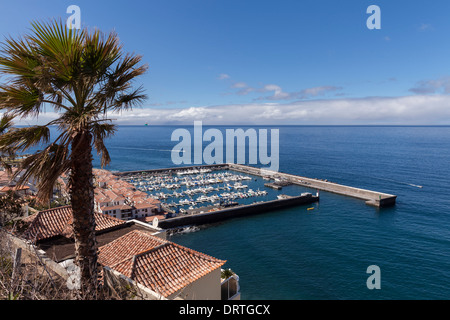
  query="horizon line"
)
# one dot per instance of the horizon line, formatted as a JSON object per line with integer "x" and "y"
{"x": 270, "y": 125}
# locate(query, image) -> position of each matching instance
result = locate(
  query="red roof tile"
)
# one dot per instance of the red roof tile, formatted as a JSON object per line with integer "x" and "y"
{"x": 119, "y": 190}
{"x": 144, "y": 205}
{"x": 163, "y": 266}
{"x": 118, "y": 207}
{"x": 58, "y": 221}
{"x": 13, "y": 188}
{"x": 127, "y": 246}
{"x": 150, "y": 218}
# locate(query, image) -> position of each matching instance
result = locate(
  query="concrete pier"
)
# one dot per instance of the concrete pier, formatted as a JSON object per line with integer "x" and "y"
{"x": 273, "y": 186}
{"x": 373, "y": 198}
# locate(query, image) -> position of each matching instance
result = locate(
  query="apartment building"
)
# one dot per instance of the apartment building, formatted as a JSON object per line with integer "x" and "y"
{"x": 120, "y": 199}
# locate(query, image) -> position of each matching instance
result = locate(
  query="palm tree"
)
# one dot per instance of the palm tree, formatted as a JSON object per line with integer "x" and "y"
{"x": 82, "y": 75}
{"x": 5, "y": 125}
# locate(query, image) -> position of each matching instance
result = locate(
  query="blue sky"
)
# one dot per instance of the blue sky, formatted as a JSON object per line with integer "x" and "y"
{"x": 280, "y": 62}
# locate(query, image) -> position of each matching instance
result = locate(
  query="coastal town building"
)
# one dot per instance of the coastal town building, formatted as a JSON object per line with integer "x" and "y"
{"x": 57, "y": 222}
{"x": 20, "y": 190}
{"x": 112, "y": 196}
{"x": 133, "y": 250}
{"x": 9, "y": 184}
{"x": 18, "y": 194}
{"x": 171, "y": 270}
{"x": 128, "y": 247}
{"x": 121, "y": 200}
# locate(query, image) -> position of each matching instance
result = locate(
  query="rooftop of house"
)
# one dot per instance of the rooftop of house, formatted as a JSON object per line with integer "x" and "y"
{"x": 131, "y": 248}
{"x": 57, "y": 222}
{"x": 163, "y": 266}
{"x": 150, "y": 219}
{"x": 144, "y": 205}
{"x": 62, "y": 248}
{"x": 13, "y": 188}
{"x": 117, "y": 207}
{"x": 6, "y": 177}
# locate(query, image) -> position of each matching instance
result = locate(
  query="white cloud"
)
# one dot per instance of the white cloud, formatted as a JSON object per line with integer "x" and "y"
{"x": 318, "y": 91}
{"x": 239, "y": 85}
{"x": 277, "y": 92}
{"x": 414, "y": 109}
{"x": 223, "y": 76}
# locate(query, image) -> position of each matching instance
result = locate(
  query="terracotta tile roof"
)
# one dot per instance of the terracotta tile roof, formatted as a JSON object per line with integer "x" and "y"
{"x": 117, "y": 190}
{"x": 150, "y": 218}
{"x": 104, "y": 221}
{"x": 5, "y": 177}
{"x": 58, "y": 222}
{"x": 101, "y": 171}
{"x": 163, "y": 266}
{"x": 118, "y": 207}
{"x": 13, "y": 188}
{"x": 100, "y": 198}
{"x": 143, "y": 205}
{"x": 47, "y": 224}
{"x": 101, "y": 179}
{"x": 154, "y": 201}
{"x": 139, "y": 198}
{"x": 128, "y": 193}
{"x": 127, "y": 246}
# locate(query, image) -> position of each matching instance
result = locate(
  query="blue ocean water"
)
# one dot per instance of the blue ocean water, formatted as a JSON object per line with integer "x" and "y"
{"x": 324, "y": 253}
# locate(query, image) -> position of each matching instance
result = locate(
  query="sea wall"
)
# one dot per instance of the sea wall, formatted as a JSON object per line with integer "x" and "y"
{"x": 238, "y": 211}
{"x": 373, "y": 198}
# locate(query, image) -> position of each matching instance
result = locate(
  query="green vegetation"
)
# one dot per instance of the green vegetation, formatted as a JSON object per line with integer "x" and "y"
{"x": 82, "y": 75}
{"x": 226, "y": 273}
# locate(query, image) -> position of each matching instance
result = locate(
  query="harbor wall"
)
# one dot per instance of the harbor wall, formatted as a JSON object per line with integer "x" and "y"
{"x": 238, "y": 211}
{"x": 373, "y": 198}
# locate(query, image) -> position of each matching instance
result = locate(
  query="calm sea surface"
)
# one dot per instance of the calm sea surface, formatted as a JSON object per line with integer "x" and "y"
{"x": 324, "y": 253}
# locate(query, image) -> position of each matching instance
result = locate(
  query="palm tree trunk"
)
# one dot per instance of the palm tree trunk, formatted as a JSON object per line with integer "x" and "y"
{"x": 82, "y": 199}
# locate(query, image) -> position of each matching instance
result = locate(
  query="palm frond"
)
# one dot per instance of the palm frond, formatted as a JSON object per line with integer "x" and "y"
{"x": 18, "y": 58}
{"x": 5, "y": 126}
{"x": 20, "y": 100}
{"x": 126, "y": 101}
{"x": 44, "y": 168}
{"x": 100, "y": 132}
{"x": 6, "y": 123}
{"x": 118, "y": 83}
{"x": 21, "y": 139}
{"x": 100, "y": 53}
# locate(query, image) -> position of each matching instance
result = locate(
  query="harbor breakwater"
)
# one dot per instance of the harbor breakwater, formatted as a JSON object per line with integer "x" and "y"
{"x": 237, "y": 211}
{"x": 373, "y": 198}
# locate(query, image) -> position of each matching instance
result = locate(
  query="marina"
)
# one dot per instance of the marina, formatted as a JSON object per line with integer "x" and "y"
{"x": 194, "y": 195}
{"x": 188, "y": 189}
